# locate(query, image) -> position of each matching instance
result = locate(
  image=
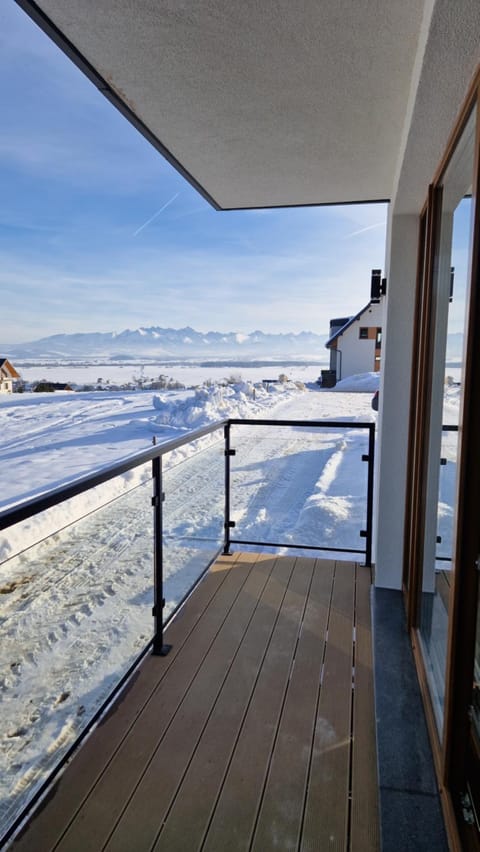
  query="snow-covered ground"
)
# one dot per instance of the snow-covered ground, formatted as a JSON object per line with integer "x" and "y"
{"x": 188, "y": 373}
{"x": 76, "y": 582}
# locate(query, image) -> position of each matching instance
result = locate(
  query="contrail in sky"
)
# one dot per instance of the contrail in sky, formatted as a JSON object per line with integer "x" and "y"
{"x": 362, "y": 230}
{"x": 167, "y": 203}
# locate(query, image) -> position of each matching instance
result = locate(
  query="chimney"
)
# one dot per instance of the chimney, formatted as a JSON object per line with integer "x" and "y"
{"x": 376, "y": 285}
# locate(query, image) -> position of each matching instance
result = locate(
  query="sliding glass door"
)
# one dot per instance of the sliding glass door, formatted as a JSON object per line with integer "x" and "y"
{"x": 449, "y": 314}
{"x": 442, "y": 538}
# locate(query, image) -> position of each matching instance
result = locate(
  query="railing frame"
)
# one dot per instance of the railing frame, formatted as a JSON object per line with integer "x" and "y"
{"x": 34, "y": 506}
{"x": 159, "y": 648}
{"x": 368, "y": 457}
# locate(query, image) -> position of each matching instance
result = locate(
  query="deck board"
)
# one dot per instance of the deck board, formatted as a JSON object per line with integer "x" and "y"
{"x": 327, "y": 805}
{"x": 247, "y": 736}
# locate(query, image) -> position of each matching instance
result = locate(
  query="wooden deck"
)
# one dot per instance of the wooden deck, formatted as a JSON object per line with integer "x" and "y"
{"x": 247, "y": 736}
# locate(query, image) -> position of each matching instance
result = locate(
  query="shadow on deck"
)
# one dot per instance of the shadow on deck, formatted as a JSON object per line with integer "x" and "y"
{"x": 250, "y": 735}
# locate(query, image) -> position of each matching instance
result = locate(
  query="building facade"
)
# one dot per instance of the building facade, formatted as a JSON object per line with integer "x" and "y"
{"x": 355, "y": 346}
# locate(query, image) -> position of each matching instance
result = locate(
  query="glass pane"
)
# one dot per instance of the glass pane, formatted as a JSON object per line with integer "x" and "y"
{"x": 300, "y": 486}
{"x": 193, "y": 513}
{"x": 451, "y": 292}
{"x": 446, "y": 497}
{"x": 76, "y": 613}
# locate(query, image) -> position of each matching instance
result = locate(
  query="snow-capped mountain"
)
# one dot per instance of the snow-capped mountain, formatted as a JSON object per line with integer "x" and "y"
{"x": 167, "y": 343}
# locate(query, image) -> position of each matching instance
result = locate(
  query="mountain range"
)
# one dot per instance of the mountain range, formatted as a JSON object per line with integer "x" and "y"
{"x": 165, "y": 343}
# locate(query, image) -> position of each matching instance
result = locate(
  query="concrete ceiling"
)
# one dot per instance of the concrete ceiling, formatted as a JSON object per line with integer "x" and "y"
{"x": 260, "y": 103}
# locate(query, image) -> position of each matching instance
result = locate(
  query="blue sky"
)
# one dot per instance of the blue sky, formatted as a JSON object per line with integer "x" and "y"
{"x": 83, "y": 249}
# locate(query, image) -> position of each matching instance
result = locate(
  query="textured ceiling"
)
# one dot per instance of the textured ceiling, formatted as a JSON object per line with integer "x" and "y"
{"x": 279, "y": 102}
{"x": 445, "y": 67}
{"x": 263, "y": 103}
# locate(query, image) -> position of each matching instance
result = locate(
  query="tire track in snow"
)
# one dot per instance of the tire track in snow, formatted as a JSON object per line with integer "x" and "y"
{"x": 48, "y": 431}
{"x": 289, "y": 475}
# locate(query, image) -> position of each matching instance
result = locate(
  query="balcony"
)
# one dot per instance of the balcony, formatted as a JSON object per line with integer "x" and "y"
{"x": 252, "y": 725}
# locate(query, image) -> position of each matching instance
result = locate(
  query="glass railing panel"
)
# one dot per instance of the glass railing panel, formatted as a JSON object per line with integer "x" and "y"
{"x": 75, "y": 614}
{"x": 300, "y": 485}
{"x": 193, "y": 513}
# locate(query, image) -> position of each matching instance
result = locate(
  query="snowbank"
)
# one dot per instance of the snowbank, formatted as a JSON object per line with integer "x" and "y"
{"x": 361, "y": 383}
{"x": 209, "y": 404}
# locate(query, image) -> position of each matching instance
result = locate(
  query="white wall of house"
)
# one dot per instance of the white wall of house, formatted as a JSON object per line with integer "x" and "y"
{"x": 358, "y": 356}
{"x": 6, "y": 385}
{"x": 395, "y": 380}
{"x": 446, "y": 60}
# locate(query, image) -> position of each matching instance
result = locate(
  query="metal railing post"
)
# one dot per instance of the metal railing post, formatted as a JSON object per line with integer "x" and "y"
{"x": 371, "y": 461}
{"x": 159, "y": 647}
{"x": 227, "y": 523}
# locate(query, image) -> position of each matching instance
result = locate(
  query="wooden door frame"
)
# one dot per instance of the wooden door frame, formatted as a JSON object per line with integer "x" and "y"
{"x": 462, "y": 623}
{"x": 450, "y": 755}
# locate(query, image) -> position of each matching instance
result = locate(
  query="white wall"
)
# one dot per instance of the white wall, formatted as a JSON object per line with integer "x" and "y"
{"x": 358, "y": 356}
{"x": 392, "y": 439}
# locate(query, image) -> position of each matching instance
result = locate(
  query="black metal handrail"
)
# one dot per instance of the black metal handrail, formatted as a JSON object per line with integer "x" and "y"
{"x": 28, "y": 508}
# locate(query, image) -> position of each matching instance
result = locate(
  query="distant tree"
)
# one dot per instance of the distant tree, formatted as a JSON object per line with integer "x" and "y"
{"x": 44, "y": 387}
{"x": 139, "y": 380}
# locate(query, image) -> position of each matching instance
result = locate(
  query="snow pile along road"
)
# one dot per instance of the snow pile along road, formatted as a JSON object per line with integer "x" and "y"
{"x": 240, "y": 400}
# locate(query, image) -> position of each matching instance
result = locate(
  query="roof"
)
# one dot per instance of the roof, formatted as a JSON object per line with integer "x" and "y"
{"x": 350, "y": 322}
{"x": 278, "y": 103}
{"x": 6, "y": 366}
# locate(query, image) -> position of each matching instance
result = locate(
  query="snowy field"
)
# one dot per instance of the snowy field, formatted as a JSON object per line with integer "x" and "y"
{"x": 76, "y": 582}
{"x": 188, "y": 374}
